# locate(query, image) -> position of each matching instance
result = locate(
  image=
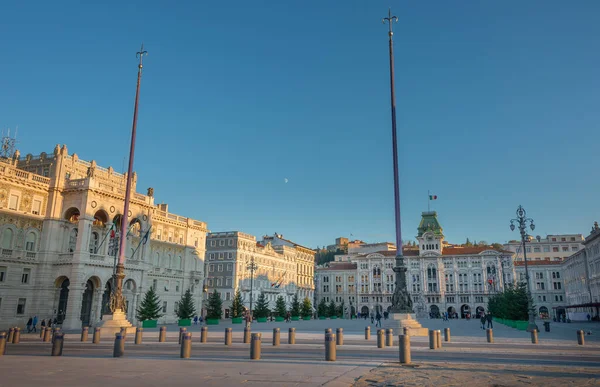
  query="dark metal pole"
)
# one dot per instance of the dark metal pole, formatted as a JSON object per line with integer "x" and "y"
{"x": 401, "y": 301}
{"x": 117, "y": 301}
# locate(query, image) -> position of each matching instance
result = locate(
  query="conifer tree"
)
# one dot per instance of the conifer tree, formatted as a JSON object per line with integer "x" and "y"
{"x": 322, "y": 309}
{"x": 306, "y": 308}
{"x": 237, "y": 305}
{"x": 214, "y": 310}
{"x": 150, "y": 307}
{"x": 185, "y": 308}
{"x": 295, "y": 309}
{"x": 332, "y": 309}
{"x": 280, "y": 307}
{"x": 262, "y": 306}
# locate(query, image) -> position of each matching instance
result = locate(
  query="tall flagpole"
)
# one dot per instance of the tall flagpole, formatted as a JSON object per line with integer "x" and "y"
{"x": 117, "y": 302}
{"x": 401, "y": 301}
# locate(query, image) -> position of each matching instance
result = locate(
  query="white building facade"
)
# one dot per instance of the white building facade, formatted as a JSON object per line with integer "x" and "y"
{"x": 336, "y": 281}
{"x": 550, "y": 248}
{"x": 547, "y": 287}
{"x": 60, "y": 219}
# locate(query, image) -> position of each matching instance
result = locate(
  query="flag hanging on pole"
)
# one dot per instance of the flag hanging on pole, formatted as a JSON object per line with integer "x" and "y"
{"x": 432, "y": 197}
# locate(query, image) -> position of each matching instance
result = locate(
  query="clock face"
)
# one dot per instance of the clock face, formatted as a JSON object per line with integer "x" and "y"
{"x": 430, "y": 238}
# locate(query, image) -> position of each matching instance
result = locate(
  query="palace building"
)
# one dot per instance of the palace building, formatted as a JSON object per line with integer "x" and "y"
{"x": 282, "y": 268}
{"x": 60, "y": 219}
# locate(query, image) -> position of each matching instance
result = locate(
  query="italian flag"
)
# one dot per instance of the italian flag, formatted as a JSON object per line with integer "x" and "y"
{"x": 432, "y": 197}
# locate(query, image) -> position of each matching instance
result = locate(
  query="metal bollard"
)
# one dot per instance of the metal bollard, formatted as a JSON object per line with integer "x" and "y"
{"x": 380, "y": 338}
{"x": 247, "y": 333}
{"x": 228, "y": 336}
{"x": 186, "y": 345}
{"x": 181, "y": 332}
{"x": 406, "y": 331}
{"x": 17, "y": 336}
{"x": 276, "y": 337}
{"x": 2, "y": 343}
{"x": 57, "y": 344}
{"x": 339, "y": 336}
{"x": 119, "y": 348}
{"x": 404, "y": 349}
{"x": 432, "y": 340}
{"x": 11, "y": 334}
{"x": 84, "y": 334}
{"x": 47, "y": 335}
{"x": 490, "y": 335}
{"x": 438, "y": 339}
{"x": 367, "y": 333}
{"x": 292, "y": 336}
{"x": 447, "y": 335}
{"x": 124, "y": 333}
{"x": 328, "y": 330}
{"x": 389, "y": 337}
{"x": 255, "y": 346}
{"x": 330, "y": 350}
{"x": 534, "y": 336}
{"x": 580, "y": 337}
{"x": 139, "y": 331}
{"x": 162, "y": 335}
{"x": 54, "y": 332}
{"x": 203, "y": 334}
{"x": 42, "y": 329}
{"x": 96, "y": 337}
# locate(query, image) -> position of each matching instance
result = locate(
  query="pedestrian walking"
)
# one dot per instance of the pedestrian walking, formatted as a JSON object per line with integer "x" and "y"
{"x": 34, "y": 323}
{"x": 29, "y": 322}
{"x": 43, "y": 324}
{"x": 372, "y": 318}
{"x": 378, "y": 318}
{"x": 195, "y": 320}
{"x": 482, "y": 320}
{"x": 489, "y": 320}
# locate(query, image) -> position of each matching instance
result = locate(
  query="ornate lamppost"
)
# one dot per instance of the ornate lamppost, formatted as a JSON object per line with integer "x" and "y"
{"x": 522, "y": 220}
{"x": 252, "y": 267}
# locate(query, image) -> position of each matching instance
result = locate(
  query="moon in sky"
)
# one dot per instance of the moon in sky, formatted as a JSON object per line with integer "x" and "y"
{"x": 285, "y": 180}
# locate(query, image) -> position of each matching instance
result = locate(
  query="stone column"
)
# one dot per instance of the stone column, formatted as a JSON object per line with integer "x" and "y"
{"x": 96, "y": 307}
{"x": 73, "y": 316}
{"x": 104, "y": 249}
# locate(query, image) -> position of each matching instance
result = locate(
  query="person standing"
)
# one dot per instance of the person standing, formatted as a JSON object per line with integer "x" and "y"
{"x": 378, "y": 318}
{"x": 482, "y": 320}
{"x": 489, "y": 320}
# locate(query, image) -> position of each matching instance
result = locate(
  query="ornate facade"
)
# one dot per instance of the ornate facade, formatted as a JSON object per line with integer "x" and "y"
{"x": 59, "y": 227}
{"x": 282, "y": 268}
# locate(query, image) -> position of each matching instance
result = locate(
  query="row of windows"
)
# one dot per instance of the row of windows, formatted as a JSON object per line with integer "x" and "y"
{"x": 15, "y": 197}
{"x": 25, "y": 274}
{"x": 20, "y": 306}
{"x": 546, "y": 249}
{"x": 8, "y": 240}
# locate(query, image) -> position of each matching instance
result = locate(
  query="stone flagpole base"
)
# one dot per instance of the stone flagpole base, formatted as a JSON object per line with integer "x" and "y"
{"x": 112, "y": 323}
{"x": 398, "y": 321}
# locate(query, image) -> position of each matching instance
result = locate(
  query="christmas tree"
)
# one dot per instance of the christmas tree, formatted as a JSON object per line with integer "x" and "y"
{"x": 150, "y": 307}
{"x": 185, "y": 308}
{"x": 262, "y": 306}
{"x": 322, "y": 309}
{"x": 280, "y": 309}
{"x": 214, "y": 310}
{"x": 332, "y": 309}
{"x": 237, "y": 305}
{"x": 295, "y": 309}
{"x": 306, "y": 308}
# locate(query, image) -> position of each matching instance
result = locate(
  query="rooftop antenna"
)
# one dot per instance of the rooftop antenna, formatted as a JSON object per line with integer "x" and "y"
{"x": 7, "y": 147}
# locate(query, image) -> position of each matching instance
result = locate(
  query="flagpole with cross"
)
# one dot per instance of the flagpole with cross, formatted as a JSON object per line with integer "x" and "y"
{"x": 117, "y": 301}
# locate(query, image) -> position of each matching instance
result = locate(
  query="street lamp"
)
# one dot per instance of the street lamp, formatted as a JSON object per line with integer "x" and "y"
{"x": 252, "y": 267}
{"x": 522, "y": 221}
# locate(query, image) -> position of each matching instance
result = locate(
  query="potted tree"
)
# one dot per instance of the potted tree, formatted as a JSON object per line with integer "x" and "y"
{"x": 185, "y": 309}
{"x": 149, "y": 310}
{"x": 306, "y": 310}
{"x": 332, "y": 310}
{"x": 322, "y": 309}
{"x": 237, "y": 308}
{"x": 340, "y": 310}
{"x": 261, "y": 310}
{"x": 214, "y": 309}
{"x": 295, "y": 309}
{"x": 280, "y": 309}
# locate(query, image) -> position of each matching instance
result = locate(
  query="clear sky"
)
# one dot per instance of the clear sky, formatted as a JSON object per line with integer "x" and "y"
{"x": 498, "y": 105}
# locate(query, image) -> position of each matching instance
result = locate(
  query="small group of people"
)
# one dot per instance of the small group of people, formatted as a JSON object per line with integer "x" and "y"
{"x": 486, "y": 318}
{"x": 33, "y": 321}
{"x": 198, "y": 319}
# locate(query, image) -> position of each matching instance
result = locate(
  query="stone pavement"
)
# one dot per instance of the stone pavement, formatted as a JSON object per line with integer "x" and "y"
{"x": 463, "y": 374}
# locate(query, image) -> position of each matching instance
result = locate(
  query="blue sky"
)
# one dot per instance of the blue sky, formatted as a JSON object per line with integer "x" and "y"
{"x": 497, "y": 106}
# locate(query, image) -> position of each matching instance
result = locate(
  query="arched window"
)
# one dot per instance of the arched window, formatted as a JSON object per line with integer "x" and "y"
{"x": 30, "y": 242}
{"x": 7, "y": 238}
{"x": 178, "y": 263}
{"x": 432, "y": 281}
{"x": 94, "y": 242}
{"x": 73, "y": 240}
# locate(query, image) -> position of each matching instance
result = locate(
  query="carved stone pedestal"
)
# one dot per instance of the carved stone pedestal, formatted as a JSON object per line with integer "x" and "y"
{"x": 112, "y": 323}
{"x": 397, "y": 322}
